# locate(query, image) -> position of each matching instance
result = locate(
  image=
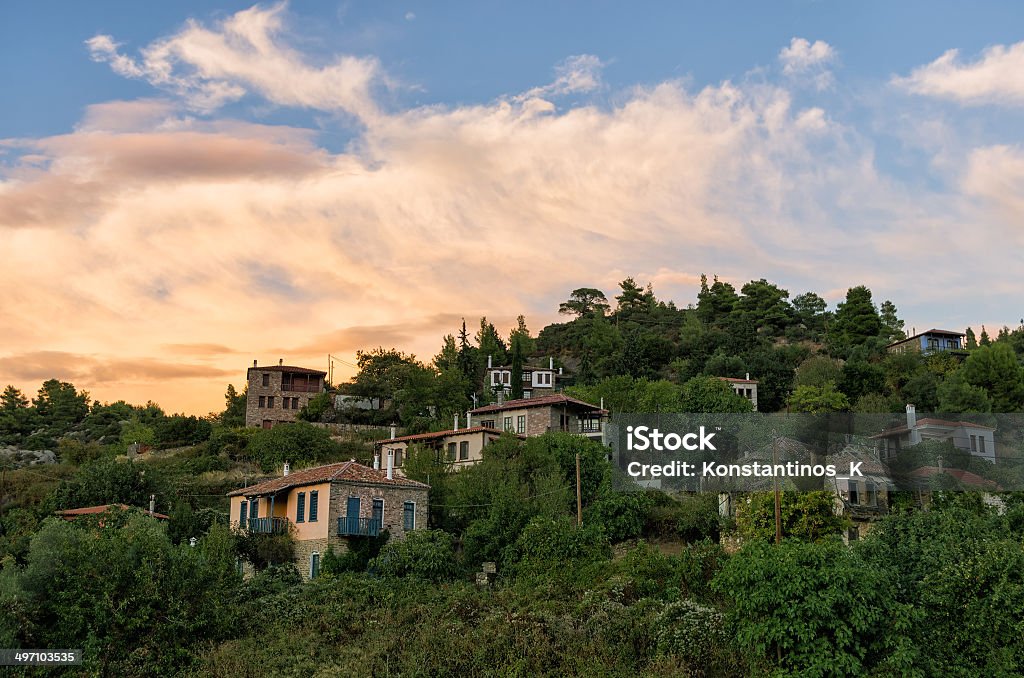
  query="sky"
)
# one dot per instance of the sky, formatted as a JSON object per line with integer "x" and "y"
{"x": 185, "y": 188}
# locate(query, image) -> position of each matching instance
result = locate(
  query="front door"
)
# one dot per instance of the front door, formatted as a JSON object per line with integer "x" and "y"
{"x": 352, "y": 513}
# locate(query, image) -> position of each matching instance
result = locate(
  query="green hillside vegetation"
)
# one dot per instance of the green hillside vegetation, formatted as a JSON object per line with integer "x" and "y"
{"x": 643, "y": 587}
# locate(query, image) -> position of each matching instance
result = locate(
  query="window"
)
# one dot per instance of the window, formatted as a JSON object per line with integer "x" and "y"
{"x": 295, "y": 403}
{"x": 254, "y": 508}
{"x": 464, "y": 450}
{"x": 974, "y": 443}
{"x": 243, "y": 513}
{"x": 409, "y": 516}
{"x": 398, "y": 458}
{"x": 314, "y": 565}
{"x": 300, "y": 509}
{"x": 266, "y": 379}
{"x": 451, "y": 451}
{"x": 521, "y": 423}
{"x": 854, "y": 498}
{"x": 527, "y": 393}
{"x": 314, "y": 505}
{"x": 270, "y": 401}
{"x": 495, "y": 378}
{"x": 981, "y": 444}
{"x": 507, "y": 377}
{"x": 378, "y": 512}
{"x": 487, "y": 423}
{"x": 508, "y": 423}
{"x": 263, "y": 401}
{"x": 872, "y": 495}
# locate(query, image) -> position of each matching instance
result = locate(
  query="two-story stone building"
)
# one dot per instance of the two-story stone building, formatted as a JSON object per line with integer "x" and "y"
{"x": 329, "y": 506}
{"x": 276, "y": 393}
{"x": 460, "y": 447}
{"x": 535, "y": 416}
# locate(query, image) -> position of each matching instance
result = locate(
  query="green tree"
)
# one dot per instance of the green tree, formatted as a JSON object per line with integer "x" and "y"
{"x": 585, "y": 302}
{"x": 297, "y": 443}
{"x": 815, "y": 609}
{"x": 517, "y": 368}
{"x": 957, "y": 396}
{"x": 995, "y": 368}
{"x": 892, "y": 326}
{"x": 856, "y": 321}
{"x": 710, "y": 394}
{"x": 972, "y": 341}
{"x": 233, "y": 415}
{"x": 818, "y": 399}
{"x": 811, "y": 311}
{"x": 765, "y": 306}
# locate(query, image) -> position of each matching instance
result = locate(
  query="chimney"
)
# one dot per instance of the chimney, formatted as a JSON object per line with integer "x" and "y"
{"x": 489, "y": 365}
{"x": 602, "y": 402}
{"x": 559, "y": 370}
{"x": 254, "y": 363}
{"x": 376, "y": 461}
{"x": 391, "y": 464}
{"x": 287, "y": 468}
{"x": 469, "y": 421}
{"x": 456, "y": 428}
{"x": 911, "y": 416}
{"x": 748, "y": 376}
{"x": 280, "y": 362}
{"x": 152, "y": 504}
{"x": 394, "y": 431}
{"x": 551, "y": 363}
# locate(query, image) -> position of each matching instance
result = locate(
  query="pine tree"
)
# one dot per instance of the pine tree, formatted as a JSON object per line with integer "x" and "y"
{"x": 972, "y": 341}
{"x": 985, "y": 341}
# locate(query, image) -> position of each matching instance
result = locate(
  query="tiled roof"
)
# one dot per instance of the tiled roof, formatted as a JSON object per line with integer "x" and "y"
{"x": 965, "y": 477}
{"x": 542, "y": 401}
{"x": 347, "y": 471}
{"x": 441, "y": 434}
{"x": 739, "y": 381}
{"x": 289, "y": 368}
{"x": 70, "y": 514}
{"x": 926, "y": 422}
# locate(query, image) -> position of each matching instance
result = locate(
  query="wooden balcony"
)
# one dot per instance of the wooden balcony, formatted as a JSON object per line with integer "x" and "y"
{"x": 353, "y": 526}
{"x": 268, "y": 525}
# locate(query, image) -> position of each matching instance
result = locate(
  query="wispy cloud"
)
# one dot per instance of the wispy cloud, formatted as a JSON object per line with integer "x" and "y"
{"x": 808, "y": 61}
{"x": 996, "y": 77}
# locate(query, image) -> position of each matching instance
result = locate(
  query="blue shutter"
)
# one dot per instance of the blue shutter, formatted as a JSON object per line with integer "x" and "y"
{"x": 243, "y": 514}
{"x": 300, "y": 511}
{"x": 254, "y": 508}
{"x": 409, "y": 516}
{"x": 313, "y": 497}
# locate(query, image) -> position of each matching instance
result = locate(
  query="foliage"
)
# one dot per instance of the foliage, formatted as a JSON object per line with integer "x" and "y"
{"x": 806, "y": 516}
{"x": 818, "y": 399}
{"x": 111, "y": 481}
{"x": 427, "y": 555}
{"x": 815, "y": 609}
{"x": 296, "y": 443}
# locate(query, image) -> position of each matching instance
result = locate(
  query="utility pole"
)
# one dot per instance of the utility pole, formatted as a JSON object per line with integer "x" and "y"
{"x": 579, "y": 494}
{"x": 778, "y": 498}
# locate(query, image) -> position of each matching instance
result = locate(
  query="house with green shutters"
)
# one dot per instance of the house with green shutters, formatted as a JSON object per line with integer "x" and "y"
{"x": 331, "y": 506}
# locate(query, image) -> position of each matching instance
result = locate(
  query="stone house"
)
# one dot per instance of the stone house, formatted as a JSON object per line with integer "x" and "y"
{"x": 329, "y": 507}
{"x": 537, "y": 380}
{"x": 276, "y": 393}
{"x": 459, "y": 447}
{"x": 536, "y": 416}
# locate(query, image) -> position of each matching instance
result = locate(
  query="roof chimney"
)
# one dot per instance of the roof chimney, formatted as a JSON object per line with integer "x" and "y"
{"x": 551, "y": 363}
{"x": 748, "y": 376}
{"x": 254, "y": 362}
{"x": 469, "y": 421}
{"x": 911, "y": 416}
{"x": 394, "y": 431}
{"x": 489, "y": 365}
{"x": 376, "y": 461}
{"x": 391, "y": 464}
{"x": 280, "y": 362}
{"x": 287, "y": 468}
{"x": 456, "y": 428}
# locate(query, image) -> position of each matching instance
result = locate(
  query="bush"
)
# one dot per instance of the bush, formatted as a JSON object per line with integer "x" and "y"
{"x": 622, "y": 515}
{"x": 265, "y": 550}
{"x": 547, "y": 545}
{"x": 295, "y": 443}
{"x": 358, "y": 556}
{"x": 691, "y": 631}
{"x": 427, "y": 555}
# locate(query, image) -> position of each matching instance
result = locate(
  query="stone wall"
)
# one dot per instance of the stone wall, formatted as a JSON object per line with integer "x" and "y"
{"x": 394, "y": 500}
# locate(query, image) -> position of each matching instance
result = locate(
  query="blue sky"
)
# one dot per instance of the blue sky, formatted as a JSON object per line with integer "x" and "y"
{"x": 185, "y": 186}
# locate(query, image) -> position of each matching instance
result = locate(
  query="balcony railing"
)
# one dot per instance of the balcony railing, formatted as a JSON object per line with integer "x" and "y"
{"x": 301, "y": 388}
{"x": 268, "y": 525}
{"x": 353, "y": 526}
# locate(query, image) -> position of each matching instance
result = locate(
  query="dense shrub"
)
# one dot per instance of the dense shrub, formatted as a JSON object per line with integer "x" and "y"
{"x": 296, "y": 443}
{"x": 427, "y": 555}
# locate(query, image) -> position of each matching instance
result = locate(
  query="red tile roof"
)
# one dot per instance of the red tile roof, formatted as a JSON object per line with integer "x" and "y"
{"x": 965, "y": 477}
{"x": 71, "y": 514}
{"x": 543, "y": 401}
{"x": 346, "y": 471}
{"x": 739, "y": 381}
{"x": 442, "y": 434}
{"x": 289, "y": 368}
{"x": 926, "y": 422}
